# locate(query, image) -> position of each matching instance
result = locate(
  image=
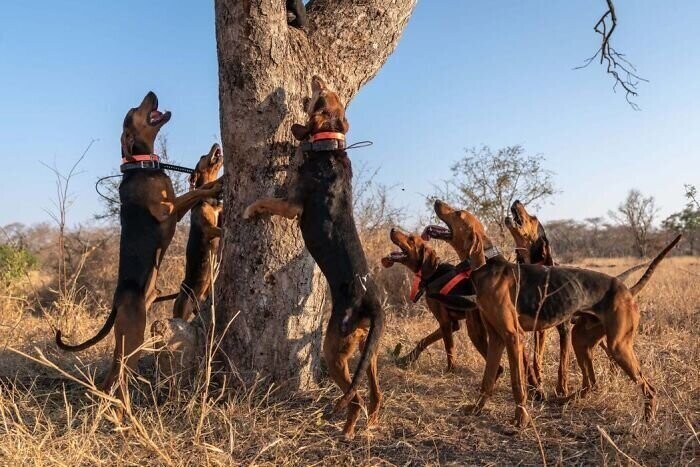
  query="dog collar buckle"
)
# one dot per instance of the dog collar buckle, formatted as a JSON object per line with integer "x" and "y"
{"x": 140, "y": 161}
{"x": 491, "y": 252}
{"x": 324, "y": 145}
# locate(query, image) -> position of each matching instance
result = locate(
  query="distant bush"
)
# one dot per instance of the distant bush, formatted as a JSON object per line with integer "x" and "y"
{"x": 15, "y": 263}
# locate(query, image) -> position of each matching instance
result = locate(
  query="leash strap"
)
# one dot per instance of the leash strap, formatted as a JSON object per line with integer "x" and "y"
{"x": 149, "y": 162}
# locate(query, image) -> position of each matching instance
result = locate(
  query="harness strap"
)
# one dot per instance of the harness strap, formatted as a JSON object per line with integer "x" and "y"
{"x": 416, "y": 289}
{"x": 462, "y": 276}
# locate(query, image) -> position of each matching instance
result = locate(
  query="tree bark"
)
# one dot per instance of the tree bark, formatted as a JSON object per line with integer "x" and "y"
{"x": 268, "y": 284}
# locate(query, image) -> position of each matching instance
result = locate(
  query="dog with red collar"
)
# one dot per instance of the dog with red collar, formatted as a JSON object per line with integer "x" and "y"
{"x": 449, "y": 294}
{"x": 149, "y": 213}
{"x": 321, "y": 198}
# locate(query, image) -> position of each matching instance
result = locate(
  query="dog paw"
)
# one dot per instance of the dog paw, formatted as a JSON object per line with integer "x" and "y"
{"x": 522, "y": 418}
{"x": 471, "y": 409}
{"x": 537, "y": 394}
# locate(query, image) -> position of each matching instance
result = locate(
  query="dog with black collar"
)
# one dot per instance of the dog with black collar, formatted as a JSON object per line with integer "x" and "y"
{"x": 149, "y": 213}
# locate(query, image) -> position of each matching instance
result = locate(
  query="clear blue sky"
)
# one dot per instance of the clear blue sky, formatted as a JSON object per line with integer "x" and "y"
{"x": 465, "y": 73}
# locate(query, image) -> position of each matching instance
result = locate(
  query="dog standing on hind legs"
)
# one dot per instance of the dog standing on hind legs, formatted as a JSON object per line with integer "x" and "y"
{"x": 321, "y": 198}
{"x": 149, "y": 213}
{"x": 203, "y": 240}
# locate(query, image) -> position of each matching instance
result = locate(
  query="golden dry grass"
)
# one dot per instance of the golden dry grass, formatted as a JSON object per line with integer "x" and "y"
{"x": 47, "y": 419}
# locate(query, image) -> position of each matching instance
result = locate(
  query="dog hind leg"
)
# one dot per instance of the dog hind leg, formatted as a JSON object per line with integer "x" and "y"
{"x": 129, "y": 328}
{"x": 336, "y": 352}
{"x": 620, "y": 337}
{"x": 375, "y": 393}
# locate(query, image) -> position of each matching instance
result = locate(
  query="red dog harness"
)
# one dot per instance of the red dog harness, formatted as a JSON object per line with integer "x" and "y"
{"x": 417, "y": 290}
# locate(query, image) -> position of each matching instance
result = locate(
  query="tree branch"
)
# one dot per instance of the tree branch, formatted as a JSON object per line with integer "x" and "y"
{"x": 623, "y": 72}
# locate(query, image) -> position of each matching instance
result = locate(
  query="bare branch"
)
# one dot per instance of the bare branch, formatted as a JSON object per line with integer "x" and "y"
{"x": 623, "y": 72}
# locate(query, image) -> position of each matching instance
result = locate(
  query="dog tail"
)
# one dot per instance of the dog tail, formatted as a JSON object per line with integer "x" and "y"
{"x": 625, "y": 274}
{"x": 376, "y": 330}
{"x": 636, "y": 288}
{"x": 101, "y": 334}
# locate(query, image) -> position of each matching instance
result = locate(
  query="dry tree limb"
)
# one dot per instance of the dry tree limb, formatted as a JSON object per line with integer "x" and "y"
{"x": 617, "y": 65}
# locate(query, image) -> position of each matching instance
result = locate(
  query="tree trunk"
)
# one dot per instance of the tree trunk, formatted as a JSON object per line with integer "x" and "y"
{"x": 268, "y": 284}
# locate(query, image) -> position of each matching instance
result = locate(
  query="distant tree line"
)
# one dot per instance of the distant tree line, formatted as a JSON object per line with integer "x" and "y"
{"x": 487, "y": 181}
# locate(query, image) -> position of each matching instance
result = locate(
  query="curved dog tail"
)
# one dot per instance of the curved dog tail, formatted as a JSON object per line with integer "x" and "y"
{"x": 625, "y": 274}
{"x": 101, "y": 334}
{"x": 376, "y": 329}
{"x": 636, "y": 288}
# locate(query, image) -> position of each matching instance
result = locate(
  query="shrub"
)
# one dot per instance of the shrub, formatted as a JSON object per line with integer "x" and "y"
{"x": 15, "y": 263}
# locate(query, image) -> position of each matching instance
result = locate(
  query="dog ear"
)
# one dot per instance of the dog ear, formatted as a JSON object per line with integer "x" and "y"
{"x": 428, "y": 258}
{"x": 476, "y": 252}
{"x": 300, "y": 132}
{"x": 194, "y": 178}
{"x": 346, "y": 126}
{"x": 387, "y": 262}
{"x": 127, "y": 142}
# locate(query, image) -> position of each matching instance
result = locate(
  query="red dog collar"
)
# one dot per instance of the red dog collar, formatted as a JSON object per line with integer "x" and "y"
{"x": 140, "y": 158}
{"x": 327, "y": 135}
{"x": 415, "y": 287}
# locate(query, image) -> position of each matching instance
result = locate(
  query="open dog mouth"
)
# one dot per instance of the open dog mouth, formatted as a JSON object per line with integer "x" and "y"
{"x": 516, "y": 215}
{"x": 436, "y": 231}
{"x": 155, "y": 116}
{"x": 397, "y": 256}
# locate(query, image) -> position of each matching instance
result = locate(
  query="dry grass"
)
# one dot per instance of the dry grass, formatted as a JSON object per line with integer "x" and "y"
{"x": 46, "y": 418}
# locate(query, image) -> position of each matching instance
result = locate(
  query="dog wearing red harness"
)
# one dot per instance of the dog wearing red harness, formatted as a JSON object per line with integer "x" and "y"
{"x": 149, "y": 213}
{"x": 448, "y": 292}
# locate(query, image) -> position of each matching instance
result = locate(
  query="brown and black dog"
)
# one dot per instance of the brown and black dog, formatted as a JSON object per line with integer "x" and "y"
{"x": 514, "y": 298}
{"x": 149, "y": 214}
{"x": 203, "y": 240}
{"x": 436, "y": 277}
{"x": 321, "y": 198}
{"x": 533, "y": 247}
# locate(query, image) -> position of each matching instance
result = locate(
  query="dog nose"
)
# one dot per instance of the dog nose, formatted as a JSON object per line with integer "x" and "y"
{"x": 393, "y": 230}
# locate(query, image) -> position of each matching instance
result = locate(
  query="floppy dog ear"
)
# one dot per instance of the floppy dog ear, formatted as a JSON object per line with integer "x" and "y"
{"x": 194, "y": 178}
{"x": 547, "y": 253}
{"x": 127, "y": 141}
{"x": 387, "y": 262}
{"x": 476, "y": 252}
{"x": 300, "y": 132}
